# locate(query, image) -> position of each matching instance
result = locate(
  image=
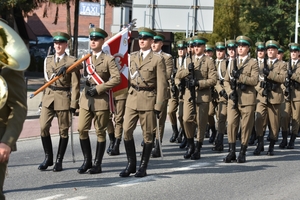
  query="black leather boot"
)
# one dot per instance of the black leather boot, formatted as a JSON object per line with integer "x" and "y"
{"x": 156, "y": 150}
{"x": 242, "y": 155}
{"x": 213, "y": 134}
{"x": 142, "y": 171}
{"x": 96, "y": 169}
{"x": 283, "y": 143}
{"x": 47, "y": 145}
{"x": 231, "y": 156}
{"x": 131, "y": 158}
{"x": 112, "y": 140}
{"x": 252, "y": 137}
{"x": 197, "y": 155}
{"x": 184, "y": 141}
{"x": 292, "y": 141}
{"x": 63, "y": 143}
{"x": 191, "y": 148}
{"x": 207, "y": 131}
{"x": 175, "y": 133}
{"x": 271, "y": 148}
{"x": 180, "y": 135}
{"x": 219, "y": 143}
{"x": 116, "y": 149}
{"x": 260, "y": 146}
{"x": 87, "y": 154}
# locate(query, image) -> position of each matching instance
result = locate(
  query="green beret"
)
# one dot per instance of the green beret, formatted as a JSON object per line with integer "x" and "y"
{"x": 272, "y": 44}
{"x": 230, "y": 43}
{"x": 60, "y": 37}
{"x": 159, "y": 36}
{"x": 146, "y": 32}
{"x": 209, "y": 47}
{"x": 260, "y": 45}
{"x": 294, "y": 46}
{"x": 244, "y": 40}
{"x": 281, "y": 49}
{"x": 199, "y": 40}
{"x": 97, "y": 33}
{"x": 181, "y": 43}
{"x": 220, "y": 45}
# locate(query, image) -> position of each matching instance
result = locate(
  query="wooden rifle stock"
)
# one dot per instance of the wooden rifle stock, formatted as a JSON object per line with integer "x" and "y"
{"x": 57, "y": 77}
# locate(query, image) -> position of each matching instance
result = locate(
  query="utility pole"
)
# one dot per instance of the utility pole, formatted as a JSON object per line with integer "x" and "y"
{"x": 297, "y": 23}
{"x": 102, "y": 14}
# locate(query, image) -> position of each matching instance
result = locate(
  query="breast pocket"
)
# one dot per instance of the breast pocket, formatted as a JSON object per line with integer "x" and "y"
{"x": 148, "y": 73}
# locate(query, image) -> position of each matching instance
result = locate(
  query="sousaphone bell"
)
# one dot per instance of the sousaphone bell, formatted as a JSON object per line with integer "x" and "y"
{"x": 13, "y": 54}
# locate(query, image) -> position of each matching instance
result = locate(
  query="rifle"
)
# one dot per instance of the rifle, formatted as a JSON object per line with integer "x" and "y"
{"x": 265, "y": 84}
{"x": 233, "y": 85}
{"x": 172, "y": 80}
{"x": 192, "y": 88}
{"x": 288, "y": 82}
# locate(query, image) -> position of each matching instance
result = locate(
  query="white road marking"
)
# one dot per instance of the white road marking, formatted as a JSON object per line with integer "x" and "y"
{"x": 76, "y": 198}
{"x": 51, "y": 197}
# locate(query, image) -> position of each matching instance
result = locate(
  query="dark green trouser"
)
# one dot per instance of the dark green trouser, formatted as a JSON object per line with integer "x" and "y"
{"x": 3, "y": 167}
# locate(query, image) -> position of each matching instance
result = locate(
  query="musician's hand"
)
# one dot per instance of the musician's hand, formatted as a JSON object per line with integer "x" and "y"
{"x": 157, "y": 113}
{"x": 191, "y": 67}
{"x": 236, "y": 74}
{"x": 193, "y": 83}
{"x": 4, "y": 152}
{"x": 92, "y": 91}
{"x": 61, "y": 71}
{"x": 266, "y": 71}
{"x": 73, "y": 110}
{"x": 290, "y": 72}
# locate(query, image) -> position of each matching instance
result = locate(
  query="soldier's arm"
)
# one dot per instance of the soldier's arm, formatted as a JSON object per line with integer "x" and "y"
{"x": 296, "y": 76}
{"x": 115, "y": 77}
{"x": 169, "y": 65}
{"x": 211, "y": 76}
{"x": 253, "y": 78}
{"x": 75, "y": 93}
{"x": 161, "y": 84}
{"x": 279, "y": 77}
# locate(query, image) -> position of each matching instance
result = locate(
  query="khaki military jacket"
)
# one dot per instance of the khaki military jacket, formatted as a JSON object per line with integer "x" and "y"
{"x": 277, "y": 76}
{"x": 249, "y": 77}
{"x": 152, "y": 71}
{"x": 295, "y": 93}
{"x": 13, "y": 113}
{"x": 62, "y": 99}
{"x": 107, "y": 69}
{"x": 221, "y": 74}
{"x": 205, "y": 74}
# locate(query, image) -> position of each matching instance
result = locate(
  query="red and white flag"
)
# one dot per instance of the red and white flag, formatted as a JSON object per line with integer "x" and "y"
{"x": 117, "y": 46}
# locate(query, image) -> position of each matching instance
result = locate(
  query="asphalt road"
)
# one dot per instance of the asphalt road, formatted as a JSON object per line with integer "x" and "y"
{"x": 261, "y": 177}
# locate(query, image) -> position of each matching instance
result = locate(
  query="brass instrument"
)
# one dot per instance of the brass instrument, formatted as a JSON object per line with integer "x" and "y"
{"x": 13, "y": 54}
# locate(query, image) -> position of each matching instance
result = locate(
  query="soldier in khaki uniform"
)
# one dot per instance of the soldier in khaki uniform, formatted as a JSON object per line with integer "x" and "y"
{"x": 94, "y": 101}
{"x": 269, "y": 97}
{"x": 12, "y": 112}
{"x": 205, "y": 77}
{"x": 221, "y": 66}
{"x": 157, "y": 47}
{"x": 292, "y": 92}
{"x": 174, "y": 100}
{"x": 240, "y": 83}
{"x": 146, "y": 97}
{"x": 59, "y": 99}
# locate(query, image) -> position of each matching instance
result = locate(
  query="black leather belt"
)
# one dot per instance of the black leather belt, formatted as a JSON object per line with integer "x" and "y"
{"x": 89, "y": 84}
{"x": 142, "y": 88}
{"x": 59, "y": 88}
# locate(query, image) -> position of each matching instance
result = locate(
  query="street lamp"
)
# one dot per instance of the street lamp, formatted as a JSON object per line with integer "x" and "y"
{"x": 297, "y": 23}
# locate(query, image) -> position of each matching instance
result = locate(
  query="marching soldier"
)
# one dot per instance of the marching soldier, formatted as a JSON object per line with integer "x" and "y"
{"x": 174, "y": 103}
{"x": 269, "y": 97}
{"x": 221, "y": 66}
{"x": 240, "y": 84}
{"x": 59, "y": 99}
{"x": 157, "y": 47}
{"x": 102, "y": 75}
{"x": 196, "y": 104}
{"x": 148, "y": 85}
{"x": 209, "y": 50}
{"x": 280, "y": 53}
{"x": 292, "y": 92}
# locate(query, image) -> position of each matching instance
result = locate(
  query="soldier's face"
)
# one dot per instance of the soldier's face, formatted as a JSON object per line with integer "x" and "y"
{"x": 96, "y": 44}
{"x": 243, "y": 50}
{"x": 156, "y": 45}
{"x": 209, "y": 53}
{"x": 199, "y": 49}
{"x": 181, "y": 52}
{"x": 294, "y": 54}
{"x": 231, "y": 52}
{"x": 280, "y": 56}
{"x": 191, "y": 49}
{"x": 145, "y": 43}
{"x": 220, "y": 53}
{"x": 272, "y": 53}
{"x": 260, "y": 53}
{"x": 60, "y": 47}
